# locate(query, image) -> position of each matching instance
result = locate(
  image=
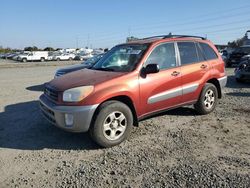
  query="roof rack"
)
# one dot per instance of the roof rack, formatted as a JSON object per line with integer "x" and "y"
{"x": 174, "y": 36}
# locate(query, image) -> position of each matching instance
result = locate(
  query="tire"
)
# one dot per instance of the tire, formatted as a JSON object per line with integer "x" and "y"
{"x": 42, "y": 59}
{"x": 70, "y": 59}
{"x": 207, "y": 100}
{"x": 24, "y": 60}
{"x": 58, "y": 59}
{"x": 115, "y": 131}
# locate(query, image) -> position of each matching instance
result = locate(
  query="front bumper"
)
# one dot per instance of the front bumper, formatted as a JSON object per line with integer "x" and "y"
{"x": 243, "y": 75}
{"x": 223, "y": 81}
{"x": 82, "y": 115}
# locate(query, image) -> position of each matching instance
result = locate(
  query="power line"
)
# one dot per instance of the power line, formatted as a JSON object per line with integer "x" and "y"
{"x": 110, "y": 36}
{"x": 103, "y": 35}
{"x": 203, "y": 15}
{"x": 185, "y": 30}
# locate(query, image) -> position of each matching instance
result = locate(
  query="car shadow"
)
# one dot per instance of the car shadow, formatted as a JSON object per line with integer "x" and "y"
{"x": 238, "y": 94}
{"x": 23, "y": 127}
{"x": 36, "y": 87}
{"x": 181, "y": 111}
{"x": 232, "y": 83}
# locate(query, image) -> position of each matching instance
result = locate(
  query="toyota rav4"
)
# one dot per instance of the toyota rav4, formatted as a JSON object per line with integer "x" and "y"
{"x": 133, "y": 81}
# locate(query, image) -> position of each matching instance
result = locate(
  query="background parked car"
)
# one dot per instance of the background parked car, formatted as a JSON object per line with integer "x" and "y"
{"x": 86, "y": 64}
{"x": 33, "y": 56}
{"x": 83, "y": 56}
{"x": 237, "y": 54}
{"x": 61, "y": 57}
{"x": 242, "y": 72}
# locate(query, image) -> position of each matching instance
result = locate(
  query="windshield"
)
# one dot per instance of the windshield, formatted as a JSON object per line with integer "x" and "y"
{"x": 123, "y": 58}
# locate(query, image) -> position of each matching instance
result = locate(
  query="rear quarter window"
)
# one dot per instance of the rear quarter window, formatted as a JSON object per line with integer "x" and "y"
{"x": 208, "y": 51}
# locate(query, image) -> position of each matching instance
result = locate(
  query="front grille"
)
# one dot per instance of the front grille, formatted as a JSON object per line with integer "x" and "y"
{"x": 51, "y": 93}
{"x": 50, "y": 115}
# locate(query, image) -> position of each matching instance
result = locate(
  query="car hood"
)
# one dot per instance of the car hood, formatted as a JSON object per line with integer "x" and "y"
{"x": 82, "y": 77}
{"x": 73, "y": 68}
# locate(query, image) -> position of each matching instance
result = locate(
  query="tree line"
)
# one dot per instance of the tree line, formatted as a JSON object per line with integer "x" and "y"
{"x": 232, "y": 44}
{"x": 29, "y": 48}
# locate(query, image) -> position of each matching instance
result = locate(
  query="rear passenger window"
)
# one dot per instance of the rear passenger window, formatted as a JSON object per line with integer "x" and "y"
{"x": 208, "y": 51}
{"x": 188, "y": 53}
{"x": 163, "y": 55}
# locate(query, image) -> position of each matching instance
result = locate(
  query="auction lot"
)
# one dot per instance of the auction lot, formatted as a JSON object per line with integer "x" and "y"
{"x": 174, "y": 149}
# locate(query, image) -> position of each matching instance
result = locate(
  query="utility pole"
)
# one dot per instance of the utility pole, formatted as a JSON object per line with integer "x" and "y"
{"x": 129, "y": 31}
{"x": 77, "y": 38}
{"x": 88, "y": 41}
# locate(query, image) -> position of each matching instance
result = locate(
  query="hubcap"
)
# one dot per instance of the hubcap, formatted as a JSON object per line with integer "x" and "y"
{"x": 209, "y": 99}
{"x": 114, "y": 125}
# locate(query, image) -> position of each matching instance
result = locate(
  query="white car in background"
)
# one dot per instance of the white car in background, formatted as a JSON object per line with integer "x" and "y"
{"x": 61, "y": 57}
{"x": 83, "y": 56}
{"x": 33, "y": 56}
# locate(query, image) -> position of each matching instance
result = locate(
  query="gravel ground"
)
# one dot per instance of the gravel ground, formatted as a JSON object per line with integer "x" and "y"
{"x": 7, "y": 63}
{"x": 175, "y": 149}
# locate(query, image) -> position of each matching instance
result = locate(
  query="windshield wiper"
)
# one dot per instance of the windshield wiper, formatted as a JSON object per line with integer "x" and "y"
{"x": 104, "y": 69}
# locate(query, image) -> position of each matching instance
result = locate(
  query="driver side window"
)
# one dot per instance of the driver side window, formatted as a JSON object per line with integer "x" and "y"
{"x": 163, "y": 55}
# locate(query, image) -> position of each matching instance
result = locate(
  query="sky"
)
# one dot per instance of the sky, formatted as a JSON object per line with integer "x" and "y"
{"x": 98, "y": 23}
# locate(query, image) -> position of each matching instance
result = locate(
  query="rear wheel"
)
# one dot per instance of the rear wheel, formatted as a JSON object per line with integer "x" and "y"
{"x": 58, "y": 59}
{"x": 70, "y": 59}
{"x": 42, "y": 59}
{"x": 112, "y": 124}
{"x": 24, "y": 60}
{"x": 207, "y": 100}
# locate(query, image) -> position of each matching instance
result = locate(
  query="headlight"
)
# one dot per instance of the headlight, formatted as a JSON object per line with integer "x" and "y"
{"x": 77, "y": 94}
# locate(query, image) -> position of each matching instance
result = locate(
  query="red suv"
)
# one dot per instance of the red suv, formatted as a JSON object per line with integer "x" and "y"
{"x": 133, "y": 81}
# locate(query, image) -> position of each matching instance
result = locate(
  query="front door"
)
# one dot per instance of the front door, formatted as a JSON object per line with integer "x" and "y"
{"x": 161, "y": 90}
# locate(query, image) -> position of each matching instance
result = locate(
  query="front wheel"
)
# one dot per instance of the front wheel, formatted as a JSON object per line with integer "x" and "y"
{"x": 112, "y": 124}
{"x": 207, "y": 100}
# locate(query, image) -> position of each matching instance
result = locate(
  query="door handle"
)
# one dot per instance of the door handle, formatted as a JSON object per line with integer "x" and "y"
{"x": 203, "y": 66}
{"x": 175, "y": 73}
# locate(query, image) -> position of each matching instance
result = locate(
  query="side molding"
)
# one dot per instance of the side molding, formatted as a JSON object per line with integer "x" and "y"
{"x": 172, "y": 93}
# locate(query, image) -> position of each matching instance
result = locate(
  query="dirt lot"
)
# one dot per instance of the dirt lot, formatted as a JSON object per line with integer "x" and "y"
{"x": 175, "y": 149}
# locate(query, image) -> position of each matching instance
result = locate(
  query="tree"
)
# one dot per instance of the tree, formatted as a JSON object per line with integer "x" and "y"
{"x": 34, "y": 48}
{"x": 48, "y": 49}
{"x": 238, "y": 42}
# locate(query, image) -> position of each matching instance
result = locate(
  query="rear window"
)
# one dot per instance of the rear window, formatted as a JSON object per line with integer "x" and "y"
{"x": 208, "y": 51}
{"x": 188, "y": 52}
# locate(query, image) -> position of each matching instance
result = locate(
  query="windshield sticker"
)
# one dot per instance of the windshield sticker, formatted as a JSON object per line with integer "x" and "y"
{"x": 129, "y": 51}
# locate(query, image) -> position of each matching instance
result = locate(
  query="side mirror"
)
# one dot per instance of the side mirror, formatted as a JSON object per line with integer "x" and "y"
{"x": 152, "y": 68}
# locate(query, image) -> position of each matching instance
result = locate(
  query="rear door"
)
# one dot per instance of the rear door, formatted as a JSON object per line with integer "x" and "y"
{"x": 161, "y": 90}
{"x": 194, "y": 69}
